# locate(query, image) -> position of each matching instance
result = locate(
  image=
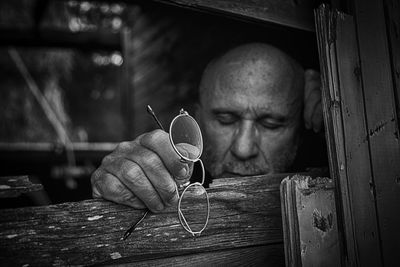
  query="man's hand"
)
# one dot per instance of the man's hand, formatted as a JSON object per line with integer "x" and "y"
{"x": 313, "y": 117}
{"x": 142, "y": 173}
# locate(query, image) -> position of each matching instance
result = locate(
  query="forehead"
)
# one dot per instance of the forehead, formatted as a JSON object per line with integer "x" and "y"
{"x": 253, "y": 86}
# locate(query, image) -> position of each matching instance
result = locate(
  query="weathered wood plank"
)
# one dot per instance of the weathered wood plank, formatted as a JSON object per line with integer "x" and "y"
{"x": 392, "y": 11}
{"x": 245, "y": 212}
{"x": 269, "y": 255}
{"x": 347, "y": 135}
{"x": 14, "y": 186}
{"x": 310, "y": 224}
{"x": 382, "y": 124}
{"x": 361, "y": 202}
{"x": 334, "y": 127}
{"x": 295, "y": 14}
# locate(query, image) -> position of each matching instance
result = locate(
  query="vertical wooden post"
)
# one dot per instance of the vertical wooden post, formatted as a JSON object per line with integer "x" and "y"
{"x": 381, "y": 121}
{"x": 392, "y": 12}
{"x": 345, "y": 120}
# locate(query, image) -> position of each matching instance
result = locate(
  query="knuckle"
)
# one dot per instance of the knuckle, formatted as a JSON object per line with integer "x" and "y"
{"x": 152, "y": 137}
{"x": 152, "y": 159}
{"x": 169, "y": 194}
{"x": 133, "y": 173}
{"x": 129, "y": 170}
{"x": 107, "y": 159}
{"x": 123, "y": 146}
{"x": 96, "y": 176}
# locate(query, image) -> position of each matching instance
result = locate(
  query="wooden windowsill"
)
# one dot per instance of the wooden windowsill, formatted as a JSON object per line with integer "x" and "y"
{"x": 245, "y": 227}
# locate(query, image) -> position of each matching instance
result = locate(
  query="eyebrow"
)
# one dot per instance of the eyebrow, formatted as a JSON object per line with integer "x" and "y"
{"x": 262, "y": 115}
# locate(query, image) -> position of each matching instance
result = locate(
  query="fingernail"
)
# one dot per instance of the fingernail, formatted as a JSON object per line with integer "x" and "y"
{"x": 182, "y": 173}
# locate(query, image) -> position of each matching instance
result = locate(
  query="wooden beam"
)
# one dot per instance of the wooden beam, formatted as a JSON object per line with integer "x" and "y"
{"x": 244, "y": 228}
{"x": 286, "y": 13}
{"x": 99, "y": 40}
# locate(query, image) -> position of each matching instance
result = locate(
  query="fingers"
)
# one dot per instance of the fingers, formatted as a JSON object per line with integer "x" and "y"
{"x": 312, "y": 101}
{"x": 158, "y": 142}
{"x": 153, "y": 168}
{"x": 142, "y": 173}
{"x": 109, "y": 187}
{"x": 131, "y": 175}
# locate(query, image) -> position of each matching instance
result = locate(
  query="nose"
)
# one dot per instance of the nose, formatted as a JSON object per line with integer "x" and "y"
{"x": 245, "y": 144}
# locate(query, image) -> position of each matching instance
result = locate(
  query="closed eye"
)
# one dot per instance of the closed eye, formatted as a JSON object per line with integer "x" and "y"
{"x": 226, "y": 118}
{"x": 270, "y": 124}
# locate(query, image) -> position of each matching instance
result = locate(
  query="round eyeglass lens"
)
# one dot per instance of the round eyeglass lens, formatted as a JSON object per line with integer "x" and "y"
{"x": 186, "y": 137}
{"x": 194, "y": 208}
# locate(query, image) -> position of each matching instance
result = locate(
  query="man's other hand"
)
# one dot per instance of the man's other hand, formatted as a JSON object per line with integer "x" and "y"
{"x": 142, "y": 173}
{"x": 313, "y": 117}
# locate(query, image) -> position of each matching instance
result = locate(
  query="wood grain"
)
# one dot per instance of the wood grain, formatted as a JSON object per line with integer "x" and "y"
{"x": 245, "y": 215}
{"x": 310, "y": 224}
{"x": 382, "y": 124}
{"x": 294, "y": 14}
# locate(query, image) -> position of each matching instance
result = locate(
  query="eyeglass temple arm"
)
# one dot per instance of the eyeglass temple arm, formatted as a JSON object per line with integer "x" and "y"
{"x": 133, "y": 226}
{"x": 151, "y": 112}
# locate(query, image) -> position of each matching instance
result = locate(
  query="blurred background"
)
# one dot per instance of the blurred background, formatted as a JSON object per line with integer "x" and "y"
{"x": 76, "y": 76}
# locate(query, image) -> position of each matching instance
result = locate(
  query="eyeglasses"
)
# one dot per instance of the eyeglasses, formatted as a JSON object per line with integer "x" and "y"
{"x": 187, "y": 141}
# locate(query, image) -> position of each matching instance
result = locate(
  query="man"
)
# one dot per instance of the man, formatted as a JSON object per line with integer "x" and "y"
{"x": 253, "y": 101}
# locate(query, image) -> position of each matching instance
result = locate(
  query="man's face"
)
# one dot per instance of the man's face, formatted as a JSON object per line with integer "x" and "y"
{"x": 250, "y": 121}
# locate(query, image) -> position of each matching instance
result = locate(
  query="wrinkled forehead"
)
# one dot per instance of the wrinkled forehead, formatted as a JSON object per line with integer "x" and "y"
{"x": 251, "y": 84}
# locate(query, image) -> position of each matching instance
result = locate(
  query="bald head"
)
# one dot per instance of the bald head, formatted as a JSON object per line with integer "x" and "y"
{"x": 250, "y": 111}
{"x": 254, "y": 65}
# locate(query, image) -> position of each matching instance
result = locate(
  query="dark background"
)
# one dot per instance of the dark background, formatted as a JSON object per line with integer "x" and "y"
{"x": 87, "y": 85}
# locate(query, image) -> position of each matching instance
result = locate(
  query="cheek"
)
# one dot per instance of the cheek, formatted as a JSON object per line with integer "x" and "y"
{"x": 278, "y": 144}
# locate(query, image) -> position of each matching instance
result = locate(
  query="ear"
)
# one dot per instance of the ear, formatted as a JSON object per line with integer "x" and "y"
{"x": 313, "y": 117}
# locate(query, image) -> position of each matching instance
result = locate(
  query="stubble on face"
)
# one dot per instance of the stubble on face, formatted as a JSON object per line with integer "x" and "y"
{"x": 220, "y": 165}
{"x": 276, "y": 154}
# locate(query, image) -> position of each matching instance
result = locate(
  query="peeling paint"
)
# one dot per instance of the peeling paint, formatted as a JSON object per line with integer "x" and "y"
{"x": 64, "y": 249}
{"x": 25, "y": 265}
{"x": 110, "y": 218}
{"x": 95, "y": 217}
{"x": 51, "y": 227}
{"x": 115, "y": 255}
{"x": 174, "y": 239}
{"x": 11, "y": 236}
{"x": 322, "y": 223}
